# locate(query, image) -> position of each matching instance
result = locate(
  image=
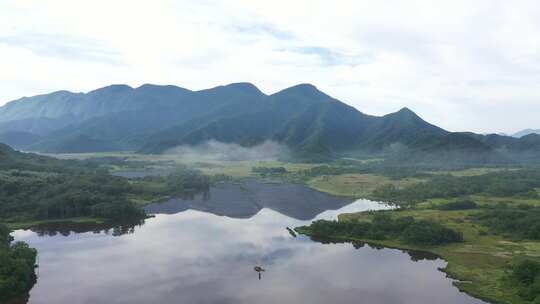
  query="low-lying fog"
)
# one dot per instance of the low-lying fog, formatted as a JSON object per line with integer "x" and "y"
{"x": 213, "y": 150}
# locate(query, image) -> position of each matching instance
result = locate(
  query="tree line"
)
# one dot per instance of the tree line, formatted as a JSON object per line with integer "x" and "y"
{"x": 383, "y": 227}
{"x": 519, "y": 223}
{"x": 519, "y": 183}
{"x": 36, "y": 195}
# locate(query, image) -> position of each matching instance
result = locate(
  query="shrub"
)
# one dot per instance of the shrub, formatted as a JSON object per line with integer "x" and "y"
{"x": 517, "y": 222}
{"x": 525, "y": 274}
{"x": 430, "y": 233}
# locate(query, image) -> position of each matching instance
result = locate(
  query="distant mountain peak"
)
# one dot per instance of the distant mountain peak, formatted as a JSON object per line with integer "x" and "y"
{"x": 119, "y": 86}
{"x": 245, "y": 87}
{"x": 62, "y": 93}
{"x": 526, "y": 132}
{"x": 151, "y": 85}
{"x": 156, "y": 88}
{"x": 304, "y": 91}
{"x": 305, "y": 85}
{"x": 406, "y": 111}
{"x": 113, "y": 88}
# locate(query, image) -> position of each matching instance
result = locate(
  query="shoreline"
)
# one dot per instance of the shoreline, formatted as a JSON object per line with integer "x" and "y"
{"x": 457, "y": 281}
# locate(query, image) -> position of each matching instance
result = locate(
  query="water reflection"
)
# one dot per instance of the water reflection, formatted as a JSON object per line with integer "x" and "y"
{"x": 114, "y": 228}
{"x": 244, "y": 200}
{"x": 200, "y": 257}
{"x": 415, "y": 255}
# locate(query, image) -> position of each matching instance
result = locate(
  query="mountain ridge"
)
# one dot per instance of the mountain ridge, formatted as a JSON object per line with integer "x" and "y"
{"x": 154, "y": 118}
{"x": 526, "y": 132}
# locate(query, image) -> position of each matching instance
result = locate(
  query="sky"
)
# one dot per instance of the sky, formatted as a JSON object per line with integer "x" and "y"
{"x": 462, "y": 65}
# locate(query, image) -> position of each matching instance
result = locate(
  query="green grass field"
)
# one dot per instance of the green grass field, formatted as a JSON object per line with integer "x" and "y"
{"x": 354, "y": 185}
{"x": 470, "y": 171}
{"x": 207, "y": 166}
{"x": 244, "y": 168}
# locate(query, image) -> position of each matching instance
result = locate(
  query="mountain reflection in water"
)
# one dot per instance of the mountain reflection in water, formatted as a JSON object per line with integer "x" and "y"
{"x": 114, "y": 228}
{"x": 209, "y": 257}
{"x": 248, "y": 198}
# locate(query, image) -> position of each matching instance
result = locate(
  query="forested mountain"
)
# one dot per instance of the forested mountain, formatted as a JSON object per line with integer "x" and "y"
{"x": 19, "y": 139}
{"x": 526, "y": 148}
{"x": 153, "y": 119}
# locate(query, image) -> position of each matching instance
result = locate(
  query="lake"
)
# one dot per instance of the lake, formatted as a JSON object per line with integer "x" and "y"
{"x": 203, "y": 249}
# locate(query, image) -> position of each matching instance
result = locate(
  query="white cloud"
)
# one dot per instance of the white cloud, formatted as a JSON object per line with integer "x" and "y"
{"x": 463, "y": 65}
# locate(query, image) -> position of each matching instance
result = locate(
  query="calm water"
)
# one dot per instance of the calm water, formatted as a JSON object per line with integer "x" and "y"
{"x": 203, "y": 250}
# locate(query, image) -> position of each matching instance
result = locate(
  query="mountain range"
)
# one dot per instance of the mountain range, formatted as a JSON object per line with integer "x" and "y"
{"x": 156, "y": 118}
{"x": 526, "y": 132}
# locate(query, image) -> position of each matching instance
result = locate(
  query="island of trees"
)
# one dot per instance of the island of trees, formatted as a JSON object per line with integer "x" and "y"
{"x": 383, "y": 226}
{"x": 17, "y": 264}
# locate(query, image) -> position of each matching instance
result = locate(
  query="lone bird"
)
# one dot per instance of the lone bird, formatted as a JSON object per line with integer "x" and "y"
{"x": 258, "y": 269}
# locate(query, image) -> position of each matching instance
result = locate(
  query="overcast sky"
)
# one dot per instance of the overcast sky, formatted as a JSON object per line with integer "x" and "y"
{"x": 463, "y": 65}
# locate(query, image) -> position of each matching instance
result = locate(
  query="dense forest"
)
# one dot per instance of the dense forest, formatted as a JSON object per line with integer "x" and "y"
{"x": 36, "y": 187}
{"x": 383, "y": 226}
{"x": 518, "y": 223}
{"x": 515, "y": 183}
{"x": 62, "y": 195}
{"x": 17, "y": 260}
